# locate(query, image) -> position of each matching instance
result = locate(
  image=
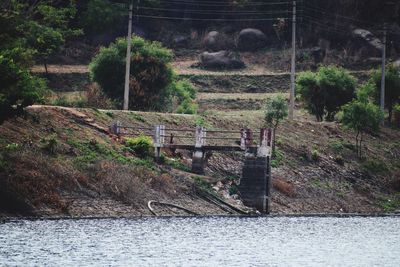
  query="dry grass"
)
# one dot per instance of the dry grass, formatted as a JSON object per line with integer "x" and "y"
{"x": 37, "y": 177}
{"x": 284, "y": 187}
{"x": 132, "y": 184}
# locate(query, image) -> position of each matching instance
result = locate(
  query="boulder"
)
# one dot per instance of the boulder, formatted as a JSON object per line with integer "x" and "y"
{"x": 251, "y": 40}
{"x": 215, "y": 41}
{"x": 221, "y": 60}
{"x": 367, "y": 44}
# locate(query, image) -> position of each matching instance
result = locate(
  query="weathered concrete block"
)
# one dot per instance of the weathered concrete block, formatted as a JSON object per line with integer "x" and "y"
{"x": 255, "y": 183}
{"x": 198, "y": 162}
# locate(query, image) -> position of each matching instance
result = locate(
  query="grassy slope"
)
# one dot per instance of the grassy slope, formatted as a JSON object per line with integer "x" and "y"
{"x": 64, "y": 163}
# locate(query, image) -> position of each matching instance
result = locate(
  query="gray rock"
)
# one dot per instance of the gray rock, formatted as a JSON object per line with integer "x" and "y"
{"x": 251, "y": 40}
{"x": 221, "y": 60}
{"x": 368, "y": 38}
{"x": 215, "y": 41}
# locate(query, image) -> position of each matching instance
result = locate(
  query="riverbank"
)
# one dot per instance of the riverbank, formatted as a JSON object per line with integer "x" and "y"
{"x": 62, "y": 162}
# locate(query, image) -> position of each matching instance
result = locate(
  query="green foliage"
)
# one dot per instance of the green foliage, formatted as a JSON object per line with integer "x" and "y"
{"x": 150, "y": 76}
{"x": 187, "y": 107}
{"x": 35, "y": 30}
{"x": 176, "y": 164}
{"x": 18, "y": 89}
{"x": 362, "y": 116}
{"x": 141, "y": 145}
{"x": 390, "y": 204}
{"x": 183, "y": 93}
{"x": 325, "y": 91}
{"x": 278, "y": 158}
{"x": 101, "y": 16}
{"x": 392, "y": 86}
{"x": 314, "y": 155}
{"x": 336, "y": 146}
{"x": 137, "y": 117}
{"x": 276, "y": 110}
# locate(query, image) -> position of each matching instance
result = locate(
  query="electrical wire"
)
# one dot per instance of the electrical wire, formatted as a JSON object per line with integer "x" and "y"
{"x": 210, "y": 12}
{"x": 213, "y": 4}
{"x": 209, "y": 19}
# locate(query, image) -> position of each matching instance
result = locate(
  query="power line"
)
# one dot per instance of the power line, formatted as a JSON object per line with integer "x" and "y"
{"x": 213, "y": 4}
{"x": 209, "y": 19}
{"x": 319, "y": 10}
{"x": 210, "y": 12}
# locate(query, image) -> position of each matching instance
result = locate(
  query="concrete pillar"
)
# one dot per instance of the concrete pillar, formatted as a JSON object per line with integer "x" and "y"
{"x": 255, "y": 184}
{"x": 159, "y": 139}
{"x": 198, "y": 160}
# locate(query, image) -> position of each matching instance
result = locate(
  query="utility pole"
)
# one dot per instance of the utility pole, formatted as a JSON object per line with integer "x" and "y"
{"x": 293, "y": 67}
{"x": 382, "y": 97}
{"x": 128, "y": 59}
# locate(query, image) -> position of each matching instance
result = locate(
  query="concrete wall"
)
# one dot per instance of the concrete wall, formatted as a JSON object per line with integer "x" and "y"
{"x": 255, "y": 183}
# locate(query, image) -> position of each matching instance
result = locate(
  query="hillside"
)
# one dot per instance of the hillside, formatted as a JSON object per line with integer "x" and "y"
{"x": 62, "y": 162}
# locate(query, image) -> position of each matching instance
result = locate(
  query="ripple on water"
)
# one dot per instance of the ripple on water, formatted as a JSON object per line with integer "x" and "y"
{"x": 220, "y": 241}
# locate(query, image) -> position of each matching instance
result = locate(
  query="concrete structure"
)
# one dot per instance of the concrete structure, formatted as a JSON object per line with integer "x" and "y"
{"x": 255, "y": 183}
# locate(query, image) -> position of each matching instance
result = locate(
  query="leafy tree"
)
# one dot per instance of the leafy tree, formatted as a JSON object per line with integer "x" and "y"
{"x": 35, "y": 29}
{"x": 392, "y": 87}
{"x": 326, "y": 91}
{"x": 101, "y": 16}
{"x": 362, "y": 116}
{"x": 18, "y": 89}
{"x": 276, "y": 111}
{"x": 150, "y": 77}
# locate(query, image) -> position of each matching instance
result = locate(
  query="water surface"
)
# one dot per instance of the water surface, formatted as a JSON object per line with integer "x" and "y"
{"x": 220, "y": 241}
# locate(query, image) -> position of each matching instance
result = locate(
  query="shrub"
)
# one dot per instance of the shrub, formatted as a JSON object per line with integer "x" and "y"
{"x": 187, "y": 107}
{"x": 326, "y": 91}
{"x": 182, "y": 94}
{"x": 392, "y": 87}
{"x": 18, "y": 89}
{"x": 276, "y": 110}
{"x": 362, "y": 117}
{"x": 150, "y": 75}
{"x": 141, "y": 145}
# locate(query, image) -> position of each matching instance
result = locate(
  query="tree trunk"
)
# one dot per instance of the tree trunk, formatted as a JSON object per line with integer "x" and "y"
{"x": 45, "y": 67}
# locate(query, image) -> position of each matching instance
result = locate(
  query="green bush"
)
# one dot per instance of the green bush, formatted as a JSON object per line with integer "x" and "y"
{"x": 392, "y": 87}
{"x": 18, "y": 89}
{"x": 142, "y": 145}
{"x": 362, "y": 116}
{"x": 150, "y": 76}
{"x": 275, "y": 111}
{"x": 187, "y": 107}
{"x": 325, "y": 91}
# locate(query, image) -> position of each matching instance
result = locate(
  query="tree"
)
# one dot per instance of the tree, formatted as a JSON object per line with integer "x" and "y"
{"x": 18, "y": 89}
{"x": 276, "y": 110}
{"x": 150, "y": 76}
{"x": 36, "y": 29}
{"x": 392, "y": 87}
{"x": 326, "y": 91}
{"x": 362, "y": 116}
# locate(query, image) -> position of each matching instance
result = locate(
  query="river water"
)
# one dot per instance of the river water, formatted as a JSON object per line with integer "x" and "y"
{"x": 206, "y": 241}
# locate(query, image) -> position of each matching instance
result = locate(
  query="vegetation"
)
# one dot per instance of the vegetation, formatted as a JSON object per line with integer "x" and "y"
{"x": 152, "y": 81}
{"x": 362, "y": 116}
{"x": 29, "y": 32}
{"x": 276, "y": 111}
{"x": 325, "y": 91}
{"x": 18, "y": 89}
{"x": 392, "y": 87}
{"x": 142, "y": 145}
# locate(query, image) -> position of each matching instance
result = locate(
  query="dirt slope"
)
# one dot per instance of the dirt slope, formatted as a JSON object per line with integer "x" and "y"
{"x": 62, "y": 162}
